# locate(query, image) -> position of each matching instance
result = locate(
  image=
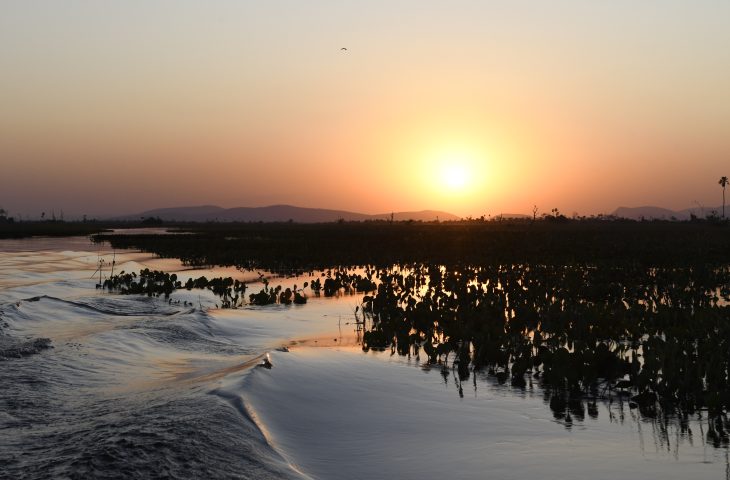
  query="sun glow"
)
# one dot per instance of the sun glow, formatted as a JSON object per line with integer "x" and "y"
{"x": 452, "y": 171}
{"x": 456, "y": 171}
{"x": 454, "y": 176}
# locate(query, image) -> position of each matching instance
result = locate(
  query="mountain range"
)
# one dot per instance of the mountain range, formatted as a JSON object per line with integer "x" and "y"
{"x": 285, "y": 213}
{"x": 278, "y": 213}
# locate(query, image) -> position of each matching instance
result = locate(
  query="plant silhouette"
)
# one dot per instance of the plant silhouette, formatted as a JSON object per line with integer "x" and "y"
{"x": 626, "y": 312}
{"x": 723, "y": 183}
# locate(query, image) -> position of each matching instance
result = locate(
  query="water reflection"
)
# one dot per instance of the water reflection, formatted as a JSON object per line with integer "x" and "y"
{"x": 395, "y": 408}
{"x": 653, "y": 340}
{"x": 657, "y": 432}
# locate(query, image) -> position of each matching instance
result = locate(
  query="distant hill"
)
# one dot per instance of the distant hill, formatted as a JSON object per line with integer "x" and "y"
{"x": 278, "y": 213}
{"x": 658, "y": 213}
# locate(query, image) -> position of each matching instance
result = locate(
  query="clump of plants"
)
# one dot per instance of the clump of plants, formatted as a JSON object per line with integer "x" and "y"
{"x": 657, "y": 335}
{"x": 157, "y": 283}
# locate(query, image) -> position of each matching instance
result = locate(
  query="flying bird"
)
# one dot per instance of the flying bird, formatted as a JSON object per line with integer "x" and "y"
{"x": 343, "y": 48}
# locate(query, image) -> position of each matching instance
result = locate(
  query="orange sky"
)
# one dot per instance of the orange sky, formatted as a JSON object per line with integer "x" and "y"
{"x": 111, "y": 108}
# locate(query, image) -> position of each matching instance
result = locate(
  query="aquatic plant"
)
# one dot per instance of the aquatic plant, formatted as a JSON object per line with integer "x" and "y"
{"x": 587, "y": 310}
{"x": 581, "y": 331}
{"x": 231, "y": 291}
{"x": 148, "y": 282}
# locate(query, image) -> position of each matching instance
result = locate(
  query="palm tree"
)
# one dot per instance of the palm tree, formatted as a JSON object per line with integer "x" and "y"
{"x": 723, "y": 183}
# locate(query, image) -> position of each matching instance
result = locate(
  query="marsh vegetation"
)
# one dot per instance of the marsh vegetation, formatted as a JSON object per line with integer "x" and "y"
{"x": 285, "y": 247}
{"x": 588, "y": 311}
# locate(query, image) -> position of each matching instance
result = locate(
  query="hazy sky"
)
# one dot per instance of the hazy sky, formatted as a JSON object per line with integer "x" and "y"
{"x": 475, "y": 107}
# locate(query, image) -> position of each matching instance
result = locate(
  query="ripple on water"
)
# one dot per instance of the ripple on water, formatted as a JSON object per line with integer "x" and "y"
{"x": 93, "y": 406}
{"x": 14, "y": 348}
{"x": 189, "y": 436}
{"x": 60, "y": 419}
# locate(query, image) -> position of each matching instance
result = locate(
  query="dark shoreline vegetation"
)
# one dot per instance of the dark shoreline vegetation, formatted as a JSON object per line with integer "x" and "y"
{"x": 61, "y": 228}
{"x": 285, "y": 247}
{"x": 52, "y": 229}
{"x": 587, "y": 310}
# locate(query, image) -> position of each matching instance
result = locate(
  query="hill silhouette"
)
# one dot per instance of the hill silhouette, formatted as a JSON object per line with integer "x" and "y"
{"x": 278, "y": 213}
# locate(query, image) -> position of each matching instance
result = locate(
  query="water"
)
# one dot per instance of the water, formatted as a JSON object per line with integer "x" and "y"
{"x": 359, "y": 416}
{"x": 118, "y": 393}
{"x": 139, "y": 387}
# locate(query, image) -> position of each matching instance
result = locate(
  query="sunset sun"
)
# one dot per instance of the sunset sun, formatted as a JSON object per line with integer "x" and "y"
{"x": 454, "y": 176}
{"x": 456, "y": 171}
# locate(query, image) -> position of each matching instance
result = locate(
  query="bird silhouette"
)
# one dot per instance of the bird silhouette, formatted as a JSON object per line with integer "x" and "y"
{"x": 343, "y": 49}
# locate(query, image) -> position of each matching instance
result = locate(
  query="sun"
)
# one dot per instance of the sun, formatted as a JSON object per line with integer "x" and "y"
{"x": 456, "y": 170}
{"x": 454, "y": 176}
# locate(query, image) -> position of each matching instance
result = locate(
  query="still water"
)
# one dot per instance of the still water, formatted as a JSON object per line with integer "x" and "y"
{"x": 108, "y": 386}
